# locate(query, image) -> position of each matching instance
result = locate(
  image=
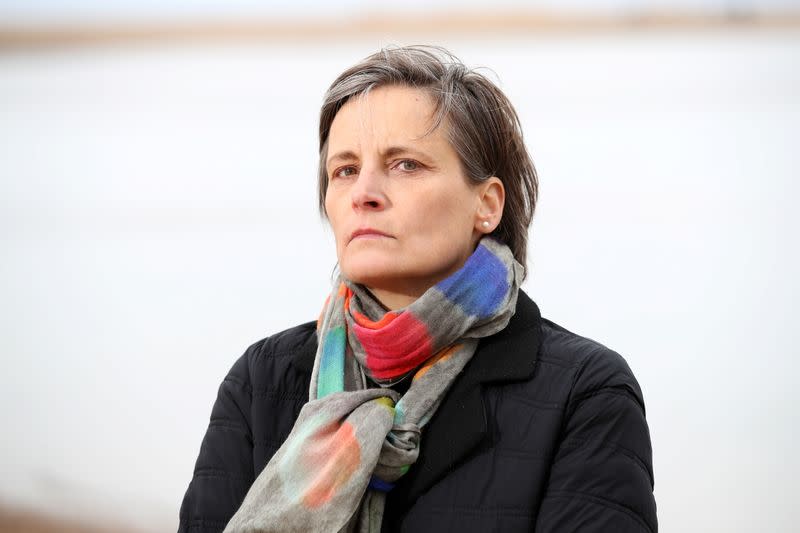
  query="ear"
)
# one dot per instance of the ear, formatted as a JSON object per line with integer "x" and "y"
{"x": 491, "y": 198}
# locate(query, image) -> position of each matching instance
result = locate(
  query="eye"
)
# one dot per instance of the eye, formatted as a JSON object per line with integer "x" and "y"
{"x": 344, "y": 172}
{"x": 408, "y": 165}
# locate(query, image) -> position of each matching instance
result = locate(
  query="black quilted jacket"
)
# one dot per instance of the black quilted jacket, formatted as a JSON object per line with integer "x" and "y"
{"x": 543, "y": 431}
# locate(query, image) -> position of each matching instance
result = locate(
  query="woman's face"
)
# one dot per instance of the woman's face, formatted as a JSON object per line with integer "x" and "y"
{"x": 403, "y": 214}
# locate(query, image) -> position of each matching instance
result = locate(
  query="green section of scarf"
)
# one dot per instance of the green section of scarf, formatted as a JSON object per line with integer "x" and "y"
{"x": 350, "y": 442}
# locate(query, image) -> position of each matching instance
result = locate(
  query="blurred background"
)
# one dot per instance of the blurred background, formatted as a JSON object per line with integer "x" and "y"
{"x": 158, "y": 215}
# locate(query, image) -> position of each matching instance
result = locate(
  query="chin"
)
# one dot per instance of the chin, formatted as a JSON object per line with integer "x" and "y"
{"x": 371, "y": 276}
{"x": 369, "y": 268}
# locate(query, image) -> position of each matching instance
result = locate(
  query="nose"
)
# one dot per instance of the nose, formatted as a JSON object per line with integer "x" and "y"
{"x": 368, "y": 192}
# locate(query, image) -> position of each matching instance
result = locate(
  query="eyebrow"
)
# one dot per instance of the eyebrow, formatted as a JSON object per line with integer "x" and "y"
{"x": 348, "y": 155}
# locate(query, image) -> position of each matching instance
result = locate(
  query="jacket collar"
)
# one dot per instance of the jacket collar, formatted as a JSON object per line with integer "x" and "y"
{"x": 459, "y": 424}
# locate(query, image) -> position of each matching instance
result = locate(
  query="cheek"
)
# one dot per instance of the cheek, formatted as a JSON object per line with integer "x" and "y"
{"x": 334, "y": 220}
{"x": 457, "y": 212}
{"x": 333, "y": 214}
{"x": 444, "y": 220}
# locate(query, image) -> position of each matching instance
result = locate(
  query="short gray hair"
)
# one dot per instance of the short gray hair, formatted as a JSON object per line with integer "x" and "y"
{"x": 482, "y": 125}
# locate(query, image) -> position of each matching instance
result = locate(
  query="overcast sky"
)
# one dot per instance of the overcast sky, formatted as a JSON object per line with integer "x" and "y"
{"x": 12, "y": 11}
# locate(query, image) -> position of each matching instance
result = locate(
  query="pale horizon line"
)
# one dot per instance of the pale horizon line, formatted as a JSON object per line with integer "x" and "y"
{"x": 475, "y": 24}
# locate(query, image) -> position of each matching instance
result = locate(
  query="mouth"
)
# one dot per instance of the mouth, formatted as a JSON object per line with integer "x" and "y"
{"x": 368, "y": 233}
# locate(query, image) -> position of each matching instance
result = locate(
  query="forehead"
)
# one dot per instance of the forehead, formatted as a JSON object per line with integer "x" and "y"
{"x": 384, "y": 115}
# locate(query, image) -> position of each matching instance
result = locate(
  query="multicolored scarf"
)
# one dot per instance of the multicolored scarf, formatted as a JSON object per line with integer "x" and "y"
{"x": 351, "y": 442}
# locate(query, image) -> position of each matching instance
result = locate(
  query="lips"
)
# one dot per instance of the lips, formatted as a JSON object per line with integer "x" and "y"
{"x": 367, "y": 233}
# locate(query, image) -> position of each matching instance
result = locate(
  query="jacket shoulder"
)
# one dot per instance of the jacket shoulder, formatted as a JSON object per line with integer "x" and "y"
{"x": 255, "y": 409}
{"x": 267, "y": 364}
{"x": 594, "y": 366}
{"x": 603, "y": 467}
{"x": 284, "y": 343}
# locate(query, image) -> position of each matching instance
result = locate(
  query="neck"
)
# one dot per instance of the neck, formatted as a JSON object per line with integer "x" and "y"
{"x": 394, "y": 300}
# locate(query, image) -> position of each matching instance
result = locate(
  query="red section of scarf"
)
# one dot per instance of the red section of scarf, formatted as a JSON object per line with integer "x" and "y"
{"x": 395, "y": 344}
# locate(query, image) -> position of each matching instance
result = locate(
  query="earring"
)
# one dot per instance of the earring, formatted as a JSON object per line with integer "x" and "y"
{"x": 485, "y": 224}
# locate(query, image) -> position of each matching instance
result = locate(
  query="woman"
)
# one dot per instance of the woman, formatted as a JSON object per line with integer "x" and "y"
{"x": 430, "y": 395}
